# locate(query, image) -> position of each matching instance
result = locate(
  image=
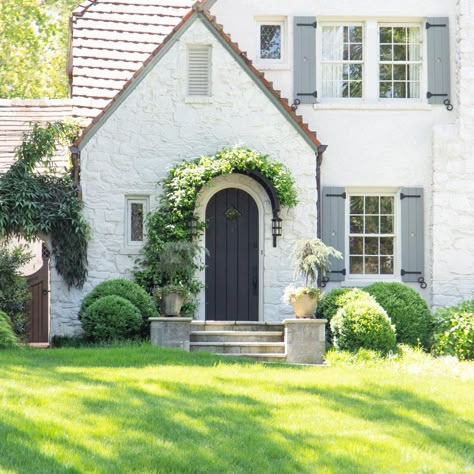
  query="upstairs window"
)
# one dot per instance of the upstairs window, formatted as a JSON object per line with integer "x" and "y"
{"x": 342, "y": 61}
{"x": 199, "y": 71}
{"x": 400, "y": 59}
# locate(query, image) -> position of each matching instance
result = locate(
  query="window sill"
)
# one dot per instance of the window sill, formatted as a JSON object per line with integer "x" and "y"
{"x": 361, "y": 283}
{"x": 264, "y": 66}
{"x": 129, "y": 250}
{"x": 198, "y": 100}
{"x": 360, "y": 105}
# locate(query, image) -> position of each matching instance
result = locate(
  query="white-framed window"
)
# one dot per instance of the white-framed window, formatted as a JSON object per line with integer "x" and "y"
{"x": 199, "y": 70}
{"x": 271, "y": 41}
{"x": 136, "y": 208}
{"x": 371, "y": 240}
{"x": 342, "y": 60}
{"x": 370, "y": 61}
{"x": 400, "y": 61}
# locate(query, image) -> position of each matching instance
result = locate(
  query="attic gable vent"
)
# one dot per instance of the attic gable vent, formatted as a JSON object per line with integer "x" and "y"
{"x": 199, "y": 71}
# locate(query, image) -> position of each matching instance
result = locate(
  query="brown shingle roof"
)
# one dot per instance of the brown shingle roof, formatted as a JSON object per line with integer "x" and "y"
{"x": 110, "y": 41}
{"x": 15, "y": 119}
{"x": 258, "y": 76}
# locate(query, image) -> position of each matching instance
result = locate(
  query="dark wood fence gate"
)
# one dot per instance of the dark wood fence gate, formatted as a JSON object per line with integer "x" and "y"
{"x": 39, "y": 305}
{"x": 232, "y": 263}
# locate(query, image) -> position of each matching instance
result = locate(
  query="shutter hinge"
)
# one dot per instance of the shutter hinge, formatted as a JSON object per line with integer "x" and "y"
{"x": 314, "y": 24}
{"x": 403, "y": 196}
{"x": 421, "y": 280}
{"x": 325, "y": 280}
{"x": 343, "y": 195}
{"x": 308, "y": 94}
{"x": 430, "y": 25}
{"x": 446, "y": 102}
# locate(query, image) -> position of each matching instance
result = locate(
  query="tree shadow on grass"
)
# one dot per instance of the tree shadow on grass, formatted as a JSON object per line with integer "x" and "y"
{"x": 402, "y": 414}
{"x": 151, "y": 425}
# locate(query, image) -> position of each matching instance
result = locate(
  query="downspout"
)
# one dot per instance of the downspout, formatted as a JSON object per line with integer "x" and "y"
{"x": 319, "y": 162}
{"x": 76, "y": 170}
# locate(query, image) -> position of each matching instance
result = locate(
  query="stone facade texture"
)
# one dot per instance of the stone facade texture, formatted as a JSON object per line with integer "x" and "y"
{"x": 158, "y": 126}
{"x": 453, "y": 179}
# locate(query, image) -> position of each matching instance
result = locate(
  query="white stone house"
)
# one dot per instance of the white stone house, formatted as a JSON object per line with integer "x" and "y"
{"x": 393, "y": 191}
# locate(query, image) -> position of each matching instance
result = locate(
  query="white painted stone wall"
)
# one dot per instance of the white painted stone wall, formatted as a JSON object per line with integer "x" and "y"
{"x": 371, "y": 143}
{"x": 155, "y": 128}
{"x": 453, "y": 179}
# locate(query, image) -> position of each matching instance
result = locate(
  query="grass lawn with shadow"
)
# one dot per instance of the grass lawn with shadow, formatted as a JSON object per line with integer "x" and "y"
{"x": 145, "y": 409}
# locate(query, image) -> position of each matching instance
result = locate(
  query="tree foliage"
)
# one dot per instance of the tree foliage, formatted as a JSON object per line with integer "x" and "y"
{"x": 33, "y": 48}
{"x": 36, "y": 199}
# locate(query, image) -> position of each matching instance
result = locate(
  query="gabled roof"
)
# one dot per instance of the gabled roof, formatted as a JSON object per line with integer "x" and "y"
{"x": 266, "y": 86}
{"x": 16, "y": 117}
{"x": 110, "y": 41}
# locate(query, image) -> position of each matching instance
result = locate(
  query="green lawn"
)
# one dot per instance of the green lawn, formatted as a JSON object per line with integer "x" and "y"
{"x": 142, "y": 409}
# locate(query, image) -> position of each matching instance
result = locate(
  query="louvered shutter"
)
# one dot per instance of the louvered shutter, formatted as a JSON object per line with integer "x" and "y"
{"x": 333, "y": 227}
{"x": 199, "y": 71}
{"x": 305, "y": 59}
{"x": 412, "y": 233}
{"x": 439, "y": 76}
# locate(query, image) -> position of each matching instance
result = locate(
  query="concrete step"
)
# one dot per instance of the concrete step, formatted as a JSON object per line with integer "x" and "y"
{"x": 236, "y": 336}
{"x": 235, "y": 326}
{"x": 239, "y": 347}
{"x": 268, "y": 357}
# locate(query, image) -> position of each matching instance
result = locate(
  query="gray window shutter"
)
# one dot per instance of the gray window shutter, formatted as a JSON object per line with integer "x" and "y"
{"x": 439, "y": 76}
{"x": 413, "y": 235}
{"x": 305, "y": 59}
{"x": 333, "y": 227}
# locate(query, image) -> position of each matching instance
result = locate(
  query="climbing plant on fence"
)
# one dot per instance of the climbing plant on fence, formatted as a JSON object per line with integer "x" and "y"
{"x": 38, "y": 199}
{"x": 180, "y": 189}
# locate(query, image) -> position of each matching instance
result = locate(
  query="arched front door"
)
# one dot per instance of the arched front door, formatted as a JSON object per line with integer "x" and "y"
{"x": 232, "y": 263}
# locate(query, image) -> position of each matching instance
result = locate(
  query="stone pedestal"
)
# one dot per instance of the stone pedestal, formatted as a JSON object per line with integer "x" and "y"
{"x": 305, "y": 340}
{"x": 170, "y": 332}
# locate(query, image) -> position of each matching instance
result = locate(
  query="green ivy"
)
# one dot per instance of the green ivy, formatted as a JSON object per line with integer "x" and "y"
{"x": 37, "y": 198}
{"x": 180, "y": 190}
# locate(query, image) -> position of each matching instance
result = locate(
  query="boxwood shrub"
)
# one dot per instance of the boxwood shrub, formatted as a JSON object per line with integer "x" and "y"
{"x": 454, "y": 334}
{"x": 111, "y": 318}
{"x": 407, "y": 310}
{"x": 335, "y": 300}
{"x": 7, "y": 336}
{"x": 363, "y": 324}
{"x": 127, "y": 289}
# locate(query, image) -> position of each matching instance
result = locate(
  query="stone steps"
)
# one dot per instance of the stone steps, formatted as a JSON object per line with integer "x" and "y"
{"x": 261, "y": 341}
{"x": 229, "y": 336}
{"x": 239, "y": 347}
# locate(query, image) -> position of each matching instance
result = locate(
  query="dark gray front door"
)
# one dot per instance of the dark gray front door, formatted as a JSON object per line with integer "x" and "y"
{"x": 232, "y": 262}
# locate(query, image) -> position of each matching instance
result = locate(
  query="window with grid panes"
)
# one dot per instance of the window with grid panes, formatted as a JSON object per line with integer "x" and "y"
{"x": 400, "y": 62}
{"x": 342, "y": 61}
{"x": 371, "y": 234}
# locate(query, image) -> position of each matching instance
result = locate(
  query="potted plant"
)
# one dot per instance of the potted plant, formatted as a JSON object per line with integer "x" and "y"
{"x": 176, "y": 266}
{"x": 312, "y": 259}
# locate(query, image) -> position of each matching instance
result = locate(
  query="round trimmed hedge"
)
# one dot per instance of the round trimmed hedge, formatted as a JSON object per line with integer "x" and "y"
{"x": 127, "y": 289}
{"x": 454, "y": 333}
{"x": 7, "y": 336}
{"x": 111, "y": 318}
{"x": 363, "y": 324}
{"x": 407, "y": 310}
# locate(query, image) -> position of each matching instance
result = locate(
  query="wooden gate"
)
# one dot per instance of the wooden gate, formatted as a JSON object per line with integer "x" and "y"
{"x": 232, "y": 263}
{"x": 39, "y": 305}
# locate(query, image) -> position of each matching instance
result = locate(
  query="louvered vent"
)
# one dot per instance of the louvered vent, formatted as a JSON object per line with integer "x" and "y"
{"x": 199, "y": 71}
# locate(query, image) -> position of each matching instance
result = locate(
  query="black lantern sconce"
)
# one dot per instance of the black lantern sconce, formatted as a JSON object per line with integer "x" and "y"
{"x": 276, "y": 228}
{"x": 193, "y": 226}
